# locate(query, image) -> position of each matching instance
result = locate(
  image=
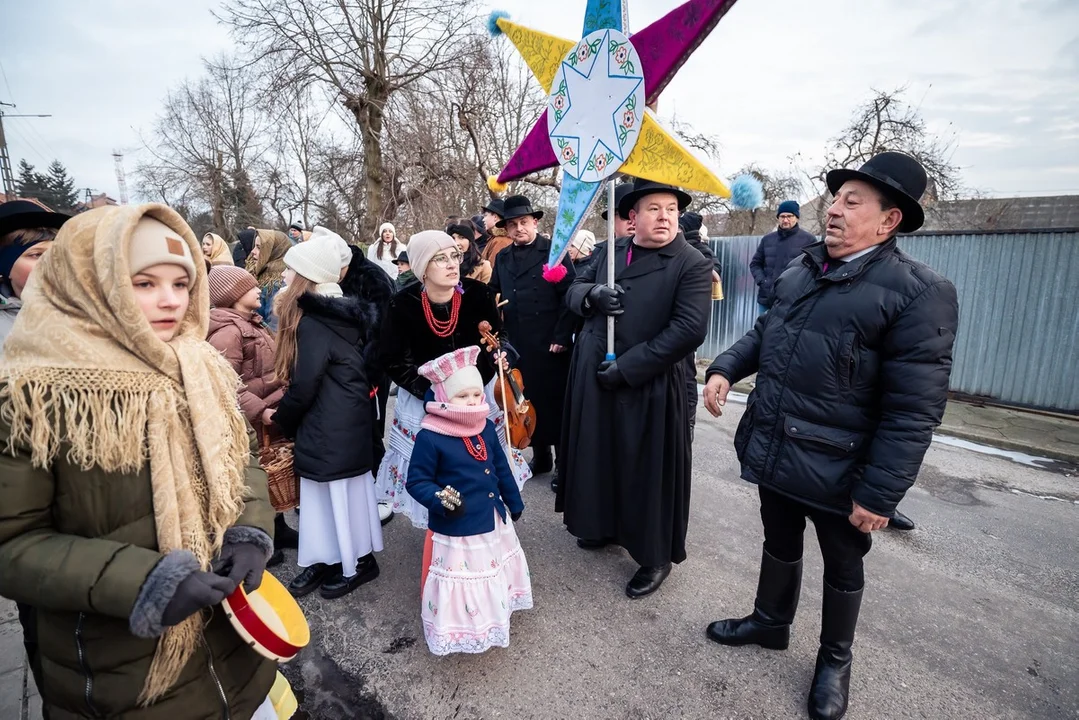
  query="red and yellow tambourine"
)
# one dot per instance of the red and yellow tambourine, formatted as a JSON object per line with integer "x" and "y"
{"x": 269, "y": 619}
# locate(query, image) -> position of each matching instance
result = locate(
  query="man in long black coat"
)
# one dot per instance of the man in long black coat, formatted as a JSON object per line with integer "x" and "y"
{"x": 852, "y": 366}
{"x": 536, "y": 321}
{"x": 624, "y": 476}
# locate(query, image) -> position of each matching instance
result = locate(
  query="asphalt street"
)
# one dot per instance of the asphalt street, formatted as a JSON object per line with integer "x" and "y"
{"x": 975, "y": 614}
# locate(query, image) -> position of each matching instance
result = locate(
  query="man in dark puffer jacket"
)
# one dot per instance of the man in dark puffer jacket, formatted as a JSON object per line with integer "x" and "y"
{"x": 776, "y": 250}
{"x": 852, "y": 368}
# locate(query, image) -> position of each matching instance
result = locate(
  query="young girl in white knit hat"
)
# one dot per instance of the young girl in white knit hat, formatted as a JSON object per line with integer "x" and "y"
{"x": 474, "y": 571}
{"x": 327, "y": 409}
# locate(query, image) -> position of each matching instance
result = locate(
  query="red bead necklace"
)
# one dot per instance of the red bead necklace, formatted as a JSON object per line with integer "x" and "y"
{"x": 478, "y": 452}
{"x": 441, "y": 328}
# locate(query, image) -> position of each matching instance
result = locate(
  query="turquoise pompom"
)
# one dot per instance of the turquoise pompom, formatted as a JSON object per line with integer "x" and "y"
{"x": 492, "y": 22}
{"x": 747, "y": 193}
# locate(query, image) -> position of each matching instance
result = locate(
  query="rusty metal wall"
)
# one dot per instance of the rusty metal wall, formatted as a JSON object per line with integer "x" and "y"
{"x": 1018, "y": 340}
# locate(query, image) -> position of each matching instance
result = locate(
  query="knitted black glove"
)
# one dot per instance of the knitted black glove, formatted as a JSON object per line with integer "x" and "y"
{"x": 609, "y": 376}
{"x": 197, "y": 591}
{"x": 242, "y": 562}
{"x": 517, "y": 515}
{"x": 606, "y": 300}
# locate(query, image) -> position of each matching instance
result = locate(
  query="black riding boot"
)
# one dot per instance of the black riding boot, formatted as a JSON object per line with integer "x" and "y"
{"x": 769, "y": 626}
{"x": 831, "y": 679}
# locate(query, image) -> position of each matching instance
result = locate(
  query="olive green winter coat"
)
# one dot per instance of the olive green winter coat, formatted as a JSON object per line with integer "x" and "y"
{"x": 77, "y": 545}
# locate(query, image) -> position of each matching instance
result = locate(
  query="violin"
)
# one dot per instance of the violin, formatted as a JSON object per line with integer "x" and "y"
{"x": 520, "y": 415}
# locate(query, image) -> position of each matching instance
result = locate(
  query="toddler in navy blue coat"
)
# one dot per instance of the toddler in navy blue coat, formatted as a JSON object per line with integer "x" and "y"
{"x": 474, "y": 571}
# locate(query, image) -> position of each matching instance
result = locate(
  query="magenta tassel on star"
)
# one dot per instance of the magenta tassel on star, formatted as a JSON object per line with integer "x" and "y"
{"x": 554, "y": 274}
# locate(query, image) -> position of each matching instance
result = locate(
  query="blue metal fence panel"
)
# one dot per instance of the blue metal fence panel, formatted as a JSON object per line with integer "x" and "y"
{"x": 1018, "y": 339}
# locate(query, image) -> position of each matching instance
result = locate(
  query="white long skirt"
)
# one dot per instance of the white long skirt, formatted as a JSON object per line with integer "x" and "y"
{"x": 339, "y": 522}
{"x": 408, "y": 411}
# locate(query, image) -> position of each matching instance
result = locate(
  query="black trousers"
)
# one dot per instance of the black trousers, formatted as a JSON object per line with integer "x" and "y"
{"x": 842, "y": 545}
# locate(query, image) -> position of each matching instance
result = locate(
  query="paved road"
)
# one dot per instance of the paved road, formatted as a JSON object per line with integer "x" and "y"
{"x": 973, "y": 615}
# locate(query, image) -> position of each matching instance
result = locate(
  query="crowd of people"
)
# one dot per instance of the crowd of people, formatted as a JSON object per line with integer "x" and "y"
{"x": 139, "y": 365}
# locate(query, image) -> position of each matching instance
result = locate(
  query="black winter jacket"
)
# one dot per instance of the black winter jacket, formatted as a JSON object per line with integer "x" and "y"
{"x": 852, "y": 376}
{"x": 774, "y": 253}
{"x": 327, "y": 407}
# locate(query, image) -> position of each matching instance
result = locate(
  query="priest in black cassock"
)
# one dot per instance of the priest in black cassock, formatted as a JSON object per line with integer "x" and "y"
{"x": 625, "y": 463}
{"x": 536, "y": 321}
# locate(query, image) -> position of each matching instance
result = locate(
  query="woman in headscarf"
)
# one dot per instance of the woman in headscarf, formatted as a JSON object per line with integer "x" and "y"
{"x": 267, "y": 264}
{"x": 426, "y": 320}
{"x": 216, "y": 250}
{"x": 386, "y": 248}
{"x": 128, "y": 477}
{"x": 245, "y": 241}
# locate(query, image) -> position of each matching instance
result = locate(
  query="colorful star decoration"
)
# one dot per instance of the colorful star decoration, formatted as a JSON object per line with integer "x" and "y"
{"x": 597, "y": 122}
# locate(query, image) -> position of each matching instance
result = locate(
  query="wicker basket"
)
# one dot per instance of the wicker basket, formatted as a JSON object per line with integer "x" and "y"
{"x": 276, "y": 459}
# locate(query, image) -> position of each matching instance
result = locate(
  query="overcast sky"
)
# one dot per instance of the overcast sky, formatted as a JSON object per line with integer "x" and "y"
{"x": 775, "y": 78}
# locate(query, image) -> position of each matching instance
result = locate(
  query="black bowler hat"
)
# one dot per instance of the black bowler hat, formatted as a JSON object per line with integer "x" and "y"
{"x": 899, "y": 176}
{"x": 496, "y": 206}
{"x": 518, "y": 206}
{"x": 23, "y": 214}
{"x": 643, "y": 187}
{"x": 620, "y": 191}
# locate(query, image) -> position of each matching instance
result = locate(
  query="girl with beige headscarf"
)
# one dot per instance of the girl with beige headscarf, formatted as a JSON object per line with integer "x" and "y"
{"x": 216, "y": 250}
{"x": 266, "y": 262}
{"x": 127, "y": 477}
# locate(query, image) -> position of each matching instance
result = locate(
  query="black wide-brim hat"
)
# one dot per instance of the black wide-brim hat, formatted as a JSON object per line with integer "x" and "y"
{"x": 517, "y": 206}
{"x": 23, "y": 214}
{"x": 620, "y": 191}
{"x": 650, "y": 187}
{"x": 496, "y": 206}
{"x": 899, "y": 176}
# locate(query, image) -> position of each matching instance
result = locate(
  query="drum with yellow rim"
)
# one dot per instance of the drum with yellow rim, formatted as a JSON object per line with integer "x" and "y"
{"x": 269, "y": 619}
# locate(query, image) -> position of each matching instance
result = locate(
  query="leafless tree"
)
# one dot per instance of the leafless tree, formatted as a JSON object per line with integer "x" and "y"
{"x": 886, "y": 121}
{"x": 366, "y": 51}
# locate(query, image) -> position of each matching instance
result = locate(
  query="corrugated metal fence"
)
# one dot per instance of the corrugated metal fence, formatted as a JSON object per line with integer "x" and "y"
{"x": 1018, "y": 338}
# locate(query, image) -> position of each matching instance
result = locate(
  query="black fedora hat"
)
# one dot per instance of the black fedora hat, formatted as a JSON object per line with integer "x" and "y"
{"x": 620, "y": 191}
{"x": 518, "y": 206}
{"x": 22, "y": 214}
{"x": 643, "y": 187}
{"x": 496, "y": 206}
{"x": 899, "y": 176}
{"x": 402, "y": 257}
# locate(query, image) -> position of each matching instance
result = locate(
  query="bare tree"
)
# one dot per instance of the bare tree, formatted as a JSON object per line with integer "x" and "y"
{"x": 886, "y": 121}
{"x": 364, "y": 50}
{"x": 205, "y": 144}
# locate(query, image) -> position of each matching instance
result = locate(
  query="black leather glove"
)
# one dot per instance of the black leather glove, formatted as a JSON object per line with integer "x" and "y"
{"x": 606, "y": 300}
{"x": 609, "y": 376}
{"x": 197, "y": 591}
{"x": 242, "y": 562}
{"x": 517, "y": 515}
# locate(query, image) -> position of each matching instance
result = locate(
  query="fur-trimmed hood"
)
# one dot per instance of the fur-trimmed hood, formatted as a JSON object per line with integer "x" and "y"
{"x": 353, "y": 318}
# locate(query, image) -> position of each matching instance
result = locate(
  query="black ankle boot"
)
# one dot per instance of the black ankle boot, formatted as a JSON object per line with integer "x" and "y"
{"x": 338, "y": 585}
{"x": 769, "y": 626}
{"x": 831, "y": 679}
{"x": 311, "y": 577}
{"x": 283, "y": 535}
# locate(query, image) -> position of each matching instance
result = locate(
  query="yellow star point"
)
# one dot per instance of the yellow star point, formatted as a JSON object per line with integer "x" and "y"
{"x": 543, "y": 52}
{"x": 658, "y": 156}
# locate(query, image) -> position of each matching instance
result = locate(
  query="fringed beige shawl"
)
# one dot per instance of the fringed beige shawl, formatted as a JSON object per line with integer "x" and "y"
{"x": 83, "y": 373}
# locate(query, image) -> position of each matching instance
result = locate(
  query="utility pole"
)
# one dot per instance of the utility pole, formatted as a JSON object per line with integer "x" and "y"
{"x": 5, "y": 158}
{"x": 120, "y": 180}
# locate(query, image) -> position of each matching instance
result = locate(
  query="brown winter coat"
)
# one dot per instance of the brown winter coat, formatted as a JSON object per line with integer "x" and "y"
{"x": 248, "y": 346}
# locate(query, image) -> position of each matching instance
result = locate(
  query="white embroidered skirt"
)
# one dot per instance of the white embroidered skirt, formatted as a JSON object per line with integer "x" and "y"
{"x": 472, "y": 586}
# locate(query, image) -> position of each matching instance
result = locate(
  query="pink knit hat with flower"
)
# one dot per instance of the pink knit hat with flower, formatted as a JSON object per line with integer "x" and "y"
{"x": 453, "y": 372}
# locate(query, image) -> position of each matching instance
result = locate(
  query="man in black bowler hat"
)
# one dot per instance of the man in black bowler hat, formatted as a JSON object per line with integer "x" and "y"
{"x": 852, "y": 366}
{"x": 536, "y": 321}
{"x": 625, "y": 464}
